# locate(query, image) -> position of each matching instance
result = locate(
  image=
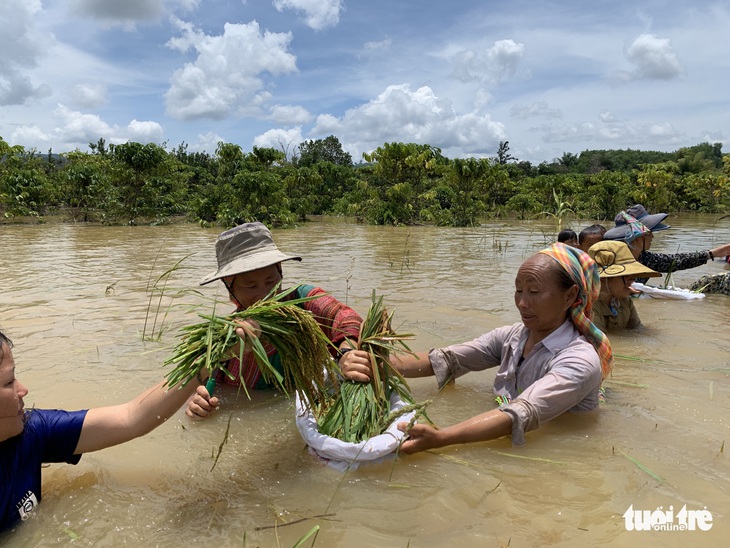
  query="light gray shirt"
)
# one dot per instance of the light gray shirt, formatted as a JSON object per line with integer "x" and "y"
{"x": 561, "y": 373}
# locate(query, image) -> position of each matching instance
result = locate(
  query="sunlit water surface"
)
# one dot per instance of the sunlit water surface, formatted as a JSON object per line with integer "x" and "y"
{"x": 75, "y": 300}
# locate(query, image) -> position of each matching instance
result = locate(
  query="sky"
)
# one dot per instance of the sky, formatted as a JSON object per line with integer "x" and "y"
{"x": 549, "y": 77}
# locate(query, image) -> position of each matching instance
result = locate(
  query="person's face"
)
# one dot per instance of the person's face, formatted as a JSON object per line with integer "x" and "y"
{"x": 642, "y": 243}
{"x": 573, "y": 242}
{"x": 589, "y": 240}
{"x": 12, "y": 393}
{"x": 620, "y": 286}
{"x": 249, "y": 287}
{"x": 539, "y": 297}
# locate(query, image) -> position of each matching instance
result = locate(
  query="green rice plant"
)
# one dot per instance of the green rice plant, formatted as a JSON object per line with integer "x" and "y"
{"x": 293, "y": 331}
{"x": 160, "y": 289}
{"x": 358, "y": 411}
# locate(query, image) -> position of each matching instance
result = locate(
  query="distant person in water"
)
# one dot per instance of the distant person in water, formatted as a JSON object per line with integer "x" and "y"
{"x": 590, "y": 235}
{"x": 250, "y": 267}
{"x": 660, "y": 262}
{"x": 568, "y": 237}
{"x": 30, "y": 438}
{"x": 614, "y": 309}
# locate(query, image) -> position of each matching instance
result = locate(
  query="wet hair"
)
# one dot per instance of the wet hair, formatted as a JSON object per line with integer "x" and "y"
{"x": 591, "y": 231}
{"x": 4, "y": 339}
{"x": 567, "y": 234}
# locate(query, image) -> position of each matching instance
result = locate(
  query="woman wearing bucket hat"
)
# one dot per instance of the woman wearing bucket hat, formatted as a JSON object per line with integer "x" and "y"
{"x": 614, "y": 308}
{"x": 249, "y": 265}
{"x": 660, "y": 262}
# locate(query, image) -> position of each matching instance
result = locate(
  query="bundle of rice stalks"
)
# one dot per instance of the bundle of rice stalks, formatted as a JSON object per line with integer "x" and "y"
{"x": 293, "y": 331}
{"x": 359, "y": 411}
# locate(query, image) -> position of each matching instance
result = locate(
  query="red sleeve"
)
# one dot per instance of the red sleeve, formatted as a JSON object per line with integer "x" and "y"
{"x": 338, "y": 321}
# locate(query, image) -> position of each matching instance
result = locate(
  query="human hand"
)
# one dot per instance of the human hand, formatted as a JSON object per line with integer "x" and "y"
{"x": 420, "y": 437}
{"x": 201, "y": 404}
{"x": 355, "y": 366}
{"x": 248, "y": 330}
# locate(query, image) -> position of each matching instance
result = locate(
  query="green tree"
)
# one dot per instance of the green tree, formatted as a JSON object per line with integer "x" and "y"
{"x": 323, "y": 150}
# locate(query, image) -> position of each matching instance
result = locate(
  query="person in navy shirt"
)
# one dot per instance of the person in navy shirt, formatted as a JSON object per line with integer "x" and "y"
{"x": 29, "y": 438}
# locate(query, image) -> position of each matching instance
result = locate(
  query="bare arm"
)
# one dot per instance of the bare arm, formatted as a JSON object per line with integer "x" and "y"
{"x": 413, "y": 366}
{"x": 487, "y": 426}
{"x": 107, "y": 426}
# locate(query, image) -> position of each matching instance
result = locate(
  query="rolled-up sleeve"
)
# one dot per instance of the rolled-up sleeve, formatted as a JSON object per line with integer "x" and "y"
{"x": 572, "y": 383}
{"x": 476, "y": 355}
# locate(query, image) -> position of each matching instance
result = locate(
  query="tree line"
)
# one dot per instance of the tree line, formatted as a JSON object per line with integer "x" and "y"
{"x": 396, "y": 184}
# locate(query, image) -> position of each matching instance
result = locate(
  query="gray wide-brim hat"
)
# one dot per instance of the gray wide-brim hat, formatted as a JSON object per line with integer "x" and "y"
{"x": 652, "y": 222}
{"x": 245, "y": 248}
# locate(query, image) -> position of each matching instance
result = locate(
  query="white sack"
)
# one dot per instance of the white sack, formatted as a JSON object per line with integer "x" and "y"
{"x": 342, "y": 455}
{"x": 670, "y": 292}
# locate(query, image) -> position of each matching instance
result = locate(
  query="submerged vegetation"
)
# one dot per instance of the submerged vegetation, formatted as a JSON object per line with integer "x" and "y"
{"x": 400, "y": 184}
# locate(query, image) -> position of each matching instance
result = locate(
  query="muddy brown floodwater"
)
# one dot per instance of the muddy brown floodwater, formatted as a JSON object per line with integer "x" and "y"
{"x": 75, "y": 300}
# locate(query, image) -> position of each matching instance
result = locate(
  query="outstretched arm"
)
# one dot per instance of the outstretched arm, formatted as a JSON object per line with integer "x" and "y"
{"x": 487, "y": 426}
{"x": 107, "y": 426}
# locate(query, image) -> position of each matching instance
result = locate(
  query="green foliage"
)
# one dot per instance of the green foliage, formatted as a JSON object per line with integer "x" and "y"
{"x": 402, "y": 183}
{"x": 323, "y": 150}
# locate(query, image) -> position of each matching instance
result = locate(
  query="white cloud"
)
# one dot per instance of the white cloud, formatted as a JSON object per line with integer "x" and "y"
{"x": 536, "y": 109}
{"x": 207, "y": 142}
{"x": 88, "y": 95}
{"x": 286, "y": 140}
{"x": 127, "y": 10}
{"x": 74, "y": 129}
{"x": 21, "y": 45}
{"x": 653, "y": 58}
{"x": 489, "y": 66}
{"x": 623, "y": 133}
{"x": 145, "y": 132}
{"x": 374, "y": 48}
{"x": 225, "y": 78}
{"x": 78, "y": 127}
{"x": 290, "y": 115}
{"x": 399, "y": 114}
{"x": 318, "y": 14}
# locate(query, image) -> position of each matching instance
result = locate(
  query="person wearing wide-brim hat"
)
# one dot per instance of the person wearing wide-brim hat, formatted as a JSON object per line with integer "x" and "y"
{"x": 661, "y": 262}
{"x": 250, "y": 267}
{"x": 614, "y": 309}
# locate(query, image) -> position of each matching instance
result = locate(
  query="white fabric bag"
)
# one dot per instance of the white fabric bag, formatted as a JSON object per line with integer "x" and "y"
{"x": 342, "y": 455}
{"x": 670, "y": 292}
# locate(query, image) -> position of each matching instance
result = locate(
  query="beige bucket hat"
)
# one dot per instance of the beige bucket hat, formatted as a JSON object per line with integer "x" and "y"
{"x": 614, "y": 259}
{"x": 247, "y": 247}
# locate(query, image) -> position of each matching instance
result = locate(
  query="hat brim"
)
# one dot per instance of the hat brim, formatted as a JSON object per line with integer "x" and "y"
{"x": 633, "y": 270}
{"x": 249, "y": 263}
{"x": 617, "y": 233}
{"x": 654, "y": 222}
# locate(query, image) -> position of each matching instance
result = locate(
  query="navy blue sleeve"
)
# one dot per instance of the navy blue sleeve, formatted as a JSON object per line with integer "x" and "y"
{"x": 58, "y": 433}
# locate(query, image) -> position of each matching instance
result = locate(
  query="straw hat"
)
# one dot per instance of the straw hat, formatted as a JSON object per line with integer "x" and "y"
{"x": 245, "y": 248}
{"x": 615, "y": 259}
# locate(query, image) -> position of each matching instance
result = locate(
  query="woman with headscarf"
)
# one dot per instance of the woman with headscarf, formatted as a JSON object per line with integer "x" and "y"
{"x": 551, "y": 362}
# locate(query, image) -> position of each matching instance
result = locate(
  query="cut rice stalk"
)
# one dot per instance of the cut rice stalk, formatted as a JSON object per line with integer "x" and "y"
{"x": 293, "y": 331}
{"x": 359, "y": 411}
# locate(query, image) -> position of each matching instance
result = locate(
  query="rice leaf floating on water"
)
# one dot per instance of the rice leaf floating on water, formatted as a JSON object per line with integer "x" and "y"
{"x": 358, "y": 410}
{"x": 293, "y": 331}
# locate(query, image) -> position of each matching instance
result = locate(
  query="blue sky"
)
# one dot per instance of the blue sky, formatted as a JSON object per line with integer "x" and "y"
{"x": 549, "y": 77}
